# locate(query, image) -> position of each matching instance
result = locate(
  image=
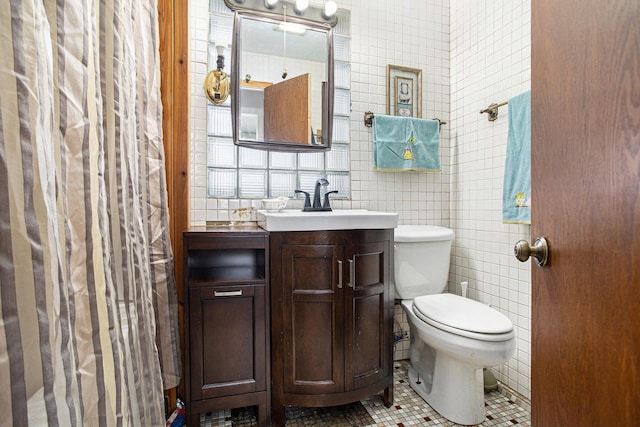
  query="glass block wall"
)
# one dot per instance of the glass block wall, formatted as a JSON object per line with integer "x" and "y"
{"x": 244, "y": 173}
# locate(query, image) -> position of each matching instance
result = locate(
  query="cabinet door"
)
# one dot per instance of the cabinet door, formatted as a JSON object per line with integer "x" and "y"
{"x": 227, "y": 338}
{"x": 313, "y": 334}
{"x": 368, "y": 322}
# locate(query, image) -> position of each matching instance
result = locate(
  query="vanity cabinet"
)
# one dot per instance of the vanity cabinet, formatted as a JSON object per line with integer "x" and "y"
{"x": 332, "y": 317}
{"x": 227, "y": 321}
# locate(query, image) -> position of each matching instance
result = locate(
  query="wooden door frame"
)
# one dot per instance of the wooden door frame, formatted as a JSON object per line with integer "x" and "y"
{"x": 173, "y": 21}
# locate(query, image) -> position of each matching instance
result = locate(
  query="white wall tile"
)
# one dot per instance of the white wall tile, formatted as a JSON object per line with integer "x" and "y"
{"x": 490, "y": 62}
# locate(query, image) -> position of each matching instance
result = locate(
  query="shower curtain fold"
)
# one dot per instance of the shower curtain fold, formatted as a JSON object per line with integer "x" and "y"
{"x": 88, "y": 306}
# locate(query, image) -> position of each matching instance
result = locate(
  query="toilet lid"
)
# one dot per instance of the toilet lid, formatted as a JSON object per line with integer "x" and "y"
{"x": 461, "y": 313}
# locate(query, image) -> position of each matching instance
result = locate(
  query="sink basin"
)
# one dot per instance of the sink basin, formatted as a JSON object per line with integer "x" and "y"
{"x": 351, "y": 219}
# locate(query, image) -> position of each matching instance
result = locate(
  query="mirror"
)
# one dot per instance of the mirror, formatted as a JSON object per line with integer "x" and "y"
{"x": 282, "y": 77}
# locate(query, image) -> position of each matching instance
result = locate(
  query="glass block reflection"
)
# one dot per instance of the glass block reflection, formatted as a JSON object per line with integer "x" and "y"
{"x": 342, "y": 75}
{"x": 282, "y": 160}
{"x": 311, "y": 161}
{"x": 218, "y": 6}
{"x": 222, "y": 182}
{"x": 250, "y": 158}
{"x": 343, "y": 27}
{"x": 342, "y": 102}
{"x": 221, "y": 153}
{"x": 253, "y": 183}
{"x": 221, "y": 29}
{"x": 282, "y": 183}
{"x": 341, "y": 127}
{"x": 219, "y": 122}
{"x": 342, "y": 48}
{"x": 339, "y": 181}
{"x": 338, "y": 157}
{"x": 307, "y": 181}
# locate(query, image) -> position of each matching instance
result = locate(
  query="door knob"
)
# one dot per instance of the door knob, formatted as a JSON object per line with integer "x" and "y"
{"x": 540, "y": 251}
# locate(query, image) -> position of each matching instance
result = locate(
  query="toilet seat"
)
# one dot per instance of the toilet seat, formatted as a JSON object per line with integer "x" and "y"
{"x": 463, "y": 316}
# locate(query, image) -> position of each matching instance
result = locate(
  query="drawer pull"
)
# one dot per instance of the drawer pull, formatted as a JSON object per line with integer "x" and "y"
{"x": 227, "y": 293}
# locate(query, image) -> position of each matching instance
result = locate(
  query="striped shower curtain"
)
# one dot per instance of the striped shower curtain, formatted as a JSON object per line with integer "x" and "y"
{"x": 88, "y": 307}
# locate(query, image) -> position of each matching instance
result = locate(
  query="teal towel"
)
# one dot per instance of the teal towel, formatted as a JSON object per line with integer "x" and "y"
{"x": 405, "y": 144}
{"x": 516, "y": 198}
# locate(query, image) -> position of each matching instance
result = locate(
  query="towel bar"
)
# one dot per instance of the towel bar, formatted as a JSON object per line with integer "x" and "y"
{"x": 369, "y": 116}
{"x": 492, "y": 110}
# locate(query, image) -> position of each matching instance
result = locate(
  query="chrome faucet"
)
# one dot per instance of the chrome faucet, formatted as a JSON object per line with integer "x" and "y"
{"x": 317, "y": 205}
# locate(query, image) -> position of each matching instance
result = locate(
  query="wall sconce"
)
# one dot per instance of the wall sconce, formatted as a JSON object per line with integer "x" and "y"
{"x": 302, "y": 9}
{"x": 217, "y": 85}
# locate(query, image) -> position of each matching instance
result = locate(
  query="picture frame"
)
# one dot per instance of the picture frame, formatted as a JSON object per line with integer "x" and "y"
{"x": 404, "y": 91}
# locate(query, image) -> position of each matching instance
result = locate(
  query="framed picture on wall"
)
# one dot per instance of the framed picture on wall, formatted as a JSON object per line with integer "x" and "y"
{"x": 404, "y": 91}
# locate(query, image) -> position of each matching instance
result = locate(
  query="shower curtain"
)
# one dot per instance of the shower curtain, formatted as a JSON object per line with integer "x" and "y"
{"x": 88, "y": 307}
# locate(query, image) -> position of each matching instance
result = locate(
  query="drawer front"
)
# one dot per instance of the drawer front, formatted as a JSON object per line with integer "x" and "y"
{"x": 227, "y": 340}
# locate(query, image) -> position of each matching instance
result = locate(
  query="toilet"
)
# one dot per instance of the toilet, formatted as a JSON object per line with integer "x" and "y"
{"x": 452, "y": 338}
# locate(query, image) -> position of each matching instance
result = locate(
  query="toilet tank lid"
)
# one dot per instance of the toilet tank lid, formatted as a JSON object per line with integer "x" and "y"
{"x": 422, "y": 233}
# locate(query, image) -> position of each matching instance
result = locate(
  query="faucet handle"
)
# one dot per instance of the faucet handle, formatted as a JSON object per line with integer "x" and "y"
{"x": 325, "y": 205}
{"x": 307, "y": 200}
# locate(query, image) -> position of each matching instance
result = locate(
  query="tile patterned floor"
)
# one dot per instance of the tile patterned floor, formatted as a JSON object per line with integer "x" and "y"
{"x": 408, "y": 410}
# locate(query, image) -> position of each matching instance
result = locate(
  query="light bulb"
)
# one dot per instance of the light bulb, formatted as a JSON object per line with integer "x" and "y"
{"x": 301, "y": 6}
{"x": 270, "y": 4}
{"x": 330, "y": 9}
{"x": 220, "y": 59}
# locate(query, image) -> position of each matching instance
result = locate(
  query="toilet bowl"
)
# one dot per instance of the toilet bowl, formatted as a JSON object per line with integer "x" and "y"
{"x": 452, "y": 338}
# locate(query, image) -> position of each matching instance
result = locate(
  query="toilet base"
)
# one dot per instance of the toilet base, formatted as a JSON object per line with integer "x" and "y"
{"x": 456, "y": 391}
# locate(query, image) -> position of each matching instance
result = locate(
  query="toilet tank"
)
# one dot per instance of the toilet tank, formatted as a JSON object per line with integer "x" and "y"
{"x": 421, "y": 259}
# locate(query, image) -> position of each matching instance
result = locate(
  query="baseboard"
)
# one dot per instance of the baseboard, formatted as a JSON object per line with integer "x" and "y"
{"x": 515, "y": 397}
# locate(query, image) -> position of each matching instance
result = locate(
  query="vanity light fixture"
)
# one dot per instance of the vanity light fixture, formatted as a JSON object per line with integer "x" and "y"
{"x": 300, "y": 6}
{"x": 323, "y": 14}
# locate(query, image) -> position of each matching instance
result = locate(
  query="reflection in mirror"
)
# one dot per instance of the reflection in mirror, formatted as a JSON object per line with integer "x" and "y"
{"x": 282, "y": 76}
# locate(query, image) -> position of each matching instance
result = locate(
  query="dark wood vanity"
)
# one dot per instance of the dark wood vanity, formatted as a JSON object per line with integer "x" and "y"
{"x": 302, "y": 318}
{"x": 332, "y": 317}
{"x": 227, "y": 321}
